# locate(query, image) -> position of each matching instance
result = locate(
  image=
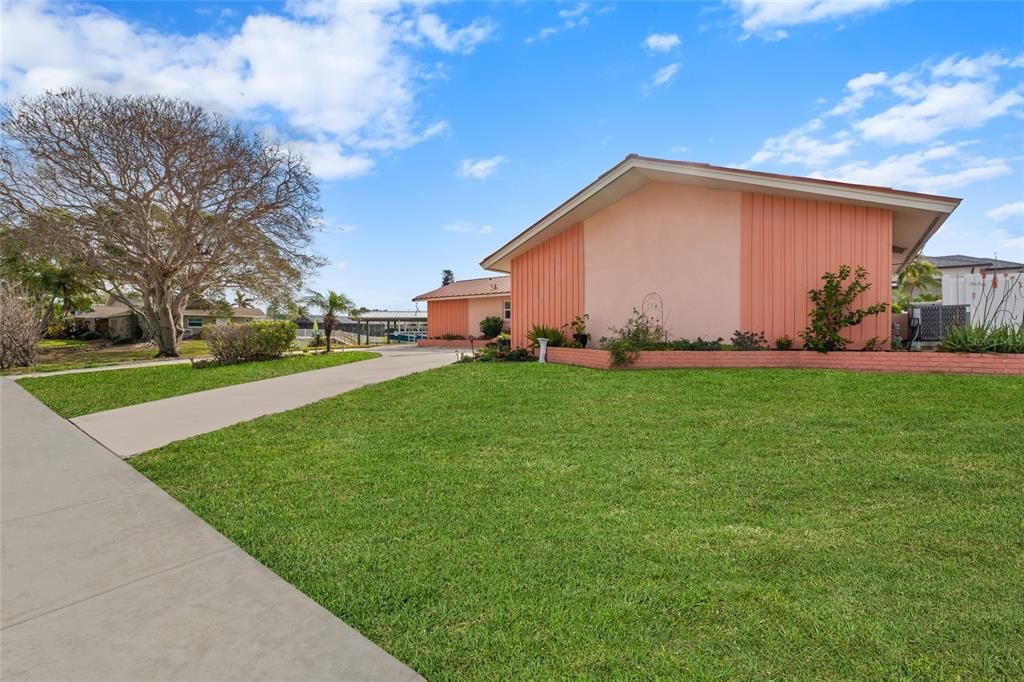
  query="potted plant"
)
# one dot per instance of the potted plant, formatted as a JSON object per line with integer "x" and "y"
{"x": 579, "y": 329}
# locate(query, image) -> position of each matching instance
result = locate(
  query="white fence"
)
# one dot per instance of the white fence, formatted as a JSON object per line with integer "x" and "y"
{"x": 994, "y": 300}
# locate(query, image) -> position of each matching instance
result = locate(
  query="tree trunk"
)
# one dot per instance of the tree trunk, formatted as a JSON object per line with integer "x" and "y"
{"x": 167, "y": 332}
{"x": 329, "y": 329}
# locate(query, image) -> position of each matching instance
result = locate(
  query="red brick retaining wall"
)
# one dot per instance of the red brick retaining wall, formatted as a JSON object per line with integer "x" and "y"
{"x": 946, "y": 363}
{"x": 446, "y": 343}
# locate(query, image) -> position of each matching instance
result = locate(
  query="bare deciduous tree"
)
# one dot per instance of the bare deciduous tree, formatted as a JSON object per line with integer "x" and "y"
{"x": 164, "y": 199}
{"x": 19, "y": 329}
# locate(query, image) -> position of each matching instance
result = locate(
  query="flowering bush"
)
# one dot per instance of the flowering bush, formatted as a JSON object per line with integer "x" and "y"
{"x": 260, "y": 340}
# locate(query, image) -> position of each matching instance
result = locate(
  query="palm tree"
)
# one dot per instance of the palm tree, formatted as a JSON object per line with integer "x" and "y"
{"x": 241, "y": 300}
{"x": 331, "y": 305}
{"x": 919, "y": 275}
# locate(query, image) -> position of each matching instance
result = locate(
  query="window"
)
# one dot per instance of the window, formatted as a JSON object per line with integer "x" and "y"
{"x": 194, "y": 322}
{"x": 508, "y": 310}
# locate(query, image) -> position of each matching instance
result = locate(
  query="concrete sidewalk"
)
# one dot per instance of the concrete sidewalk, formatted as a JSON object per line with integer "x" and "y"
{"x": 106, "y": 577}
{"x": 130, "y": 430}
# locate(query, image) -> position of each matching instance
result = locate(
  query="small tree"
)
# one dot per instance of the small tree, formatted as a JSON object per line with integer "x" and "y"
{"x": 920, "y": 280}
{"x": 161, "y": 198}
{"x": 447, "y": 277}
{"x": 242, "y": 300}
{"x": 57, "y": 287}
{"x": 331, "y": 305}
{"x": 19, "y": 329}
{"x": 833, "y": 309}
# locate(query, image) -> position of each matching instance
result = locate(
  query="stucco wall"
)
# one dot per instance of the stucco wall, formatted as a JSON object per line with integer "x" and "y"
{"x": 681, "y": 242}
{"x": 479, "y": 308}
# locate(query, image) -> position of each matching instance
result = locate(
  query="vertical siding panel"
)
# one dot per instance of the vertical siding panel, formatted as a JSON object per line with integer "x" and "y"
{"x": 547, "y": 284}
{"x": 787, "y": 244}
{"x": 448, "y": 317}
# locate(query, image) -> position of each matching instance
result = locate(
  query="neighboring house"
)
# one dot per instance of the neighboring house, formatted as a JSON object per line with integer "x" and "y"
{"x": 457, "y": 309}
{"x": 969, "y": 265}
{"x": 116, "y": 320}
{"x": 726, "y": 249}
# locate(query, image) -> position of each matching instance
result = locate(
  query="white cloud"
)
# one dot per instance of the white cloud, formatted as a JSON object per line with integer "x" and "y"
{"x": 663, "y": 76}
{"x": 543, "y": 34}
{"x": 571, "y": 18}
{"x": 465, "y": 227}
{"x": 860, "y": 90}
{"x": 661, "y": 42}
{"x": 798, "y": 146}
{"x": 462, "y": 40}
{"x": 579, "y": 10}
{"x": 957, "y": 94}
{"x": 916, "y": 170}
{"x": 938, "y": 108}
{"x": 1001, "y": 213}
{"x": 972, "y": 67}
{"x": 357, "y": 95}
{"x": 480, "y": 168}
{"x": 327, "y": 160}
{"x": 770, "y": 18}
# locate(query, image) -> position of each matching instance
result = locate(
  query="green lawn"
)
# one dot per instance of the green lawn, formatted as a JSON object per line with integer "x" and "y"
{"x": 497, "y": 521}
{"x": 71, "y": 395}
{"x": 60, "y": 354}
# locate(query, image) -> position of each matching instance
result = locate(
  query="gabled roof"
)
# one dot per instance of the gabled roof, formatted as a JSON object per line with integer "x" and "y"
{"x": 960, "y": 261}
{"x": 916, "y": 216}
{"x": 471, "y": 288}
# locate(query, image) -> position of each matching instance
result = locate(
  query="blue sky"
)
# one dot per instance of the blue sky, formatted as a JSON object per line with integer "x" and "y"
{"x": 442, "y": 130}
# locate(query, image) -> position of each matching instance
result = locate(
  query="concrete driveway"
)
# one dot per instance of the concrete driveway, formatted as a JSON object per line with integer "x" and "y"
{"x": 106, "y": 577}
{"x": 131, "y": 430}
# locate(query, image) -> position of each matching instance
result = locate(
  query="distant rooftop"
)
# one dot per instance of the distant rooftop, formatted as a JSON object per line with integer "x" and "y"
{"x": 471, "y": 288}
{"x": 960, "y": 261}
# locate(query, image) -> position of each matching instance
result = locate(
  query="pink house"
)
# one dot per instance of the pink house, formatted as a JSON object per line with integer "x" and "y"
{"x": 725, "y": 249}
{"x": 457, "y": 309}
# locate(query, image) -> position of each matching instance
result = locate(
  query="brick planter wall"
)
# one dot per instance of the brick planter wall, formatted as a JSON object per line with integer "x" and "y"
{"x": 446, "y": 343}
{"x": 945, "y": 363}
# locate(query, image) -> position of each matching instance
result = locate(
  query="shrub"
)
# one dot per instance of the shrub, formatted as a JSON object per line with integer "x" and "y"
{"x": 639, "y": 333}
{"x": 89, "y": 335}
{"x": 490, "y": 326}
{"x": 833, "y": 309}
{"x": 980, "y": 339}
{"x": 698, "y": 344}
{"x": 60, "y": 328}
{"x": 18, "y": 328}
{"x": 554, "y": 336}
{"x": 875, "y": 343}
{"x": 452, "y": 337}
{"x": 518, "y": 355}
{"x": 783, "y": 342}
{"x": 749, "y": 340}
{"x": 260, "y": 340}
{"x": 317, "y": 341}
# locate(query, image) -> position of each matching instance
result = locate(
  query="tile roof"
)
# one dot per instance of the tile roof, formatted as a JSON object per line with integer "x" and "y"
{"x": 467, "y": 288}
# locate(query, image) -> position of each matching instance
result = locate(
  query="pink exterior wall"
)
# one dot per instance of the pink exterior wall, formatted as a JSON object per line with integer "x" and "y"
{"x": 448, "y": 317}
{"x": 479, "y": 308}
{"x": 787, "y": 244}
{"x": 547, "y": 284}
{"x": 680, "y": 241}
